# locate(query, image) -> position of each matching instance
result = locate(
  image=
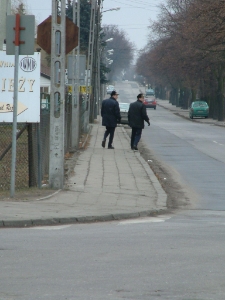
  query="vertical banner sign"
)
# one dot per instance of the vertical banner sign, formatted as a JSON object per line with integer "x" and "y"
{"x": 28, "y": 107}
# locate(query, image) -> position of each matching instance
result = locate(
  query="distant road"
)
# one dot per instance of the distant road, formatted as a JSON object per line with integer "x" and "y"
{"x": 196, "y": 151}
{"x": 128, "y": 91}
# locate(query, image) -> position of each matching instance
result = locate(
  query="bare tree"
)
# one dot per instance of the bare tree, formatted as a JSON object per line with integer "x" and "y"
{"x": 123, "y": 50}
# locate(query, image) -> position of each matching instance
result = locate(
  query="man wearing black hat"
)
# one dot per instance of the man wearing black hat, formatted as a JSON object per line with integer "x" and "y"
{"x": 110, "y": 113}
{"x": 136, "y": 116}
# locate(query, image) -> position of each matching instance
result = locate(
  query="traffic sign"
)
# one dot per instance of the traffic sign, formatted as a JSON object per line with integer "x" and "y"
{"x": 72, "y": 68}
{"x": 44, "y": 34}
{"x": 26, "y": 46}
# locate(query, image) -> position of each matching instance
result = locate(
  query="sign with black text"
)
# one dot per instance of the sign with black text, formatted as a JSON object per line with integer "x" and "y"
{"x": 28, "y": 109}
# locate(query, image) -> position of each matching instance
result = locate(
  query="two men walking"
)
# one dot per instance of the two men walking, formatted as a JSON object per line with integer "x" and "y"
{"x": 137, "y": 114}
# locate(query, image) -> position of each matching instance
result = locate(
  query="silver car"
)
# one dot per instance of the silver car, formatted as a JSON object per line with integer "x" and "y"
{"x": 109, "y": 89}
{"x": 124, "y": 107}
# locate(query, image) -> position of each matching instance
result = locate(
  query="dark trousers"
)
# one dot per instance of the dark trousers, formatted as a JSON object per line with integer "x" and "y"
{"x": 135, "y": 136}
{"x": 109, "y": 131}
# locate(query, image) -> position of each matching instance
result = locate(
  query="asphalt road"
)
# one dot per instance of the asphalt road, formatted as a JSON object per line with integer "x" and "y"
{"x": 128, "y": 91}
{"x": 168, "y": 257}
{"x": 175, "y": 256}
{"x": 196, "y": 151}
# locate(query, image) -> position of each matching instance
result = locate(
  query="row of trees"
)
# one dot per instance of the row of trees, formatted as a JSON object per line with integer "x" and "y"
{"x": 186, "y": 53}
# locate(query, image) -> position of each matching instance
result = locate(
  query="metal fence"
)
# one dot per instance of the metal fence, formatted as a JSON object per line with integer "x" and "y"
{"x": 32, "y": 158}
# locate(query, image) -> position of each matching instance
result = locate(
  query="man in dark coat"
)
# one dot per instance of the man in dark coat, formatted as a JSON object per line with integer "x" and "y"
{"x": 136, "y": 116}
{"x": 110, "y": 112}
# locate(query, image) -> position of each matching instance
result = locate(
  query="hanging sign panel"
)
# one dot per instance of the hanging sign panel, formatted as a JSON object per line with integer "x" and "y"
{"x": 28, "y": 109}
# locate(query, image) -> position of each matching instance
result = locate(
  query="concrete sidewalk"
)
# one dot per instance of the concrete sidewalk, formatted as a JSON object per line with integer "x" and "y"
{"x": 107, "y": 185}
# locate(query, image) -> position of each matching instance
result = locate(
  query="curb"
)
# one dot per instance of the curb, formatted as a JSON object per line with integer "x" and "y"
{"x": 157, "y": 186}
{"x": 79, "y": 220}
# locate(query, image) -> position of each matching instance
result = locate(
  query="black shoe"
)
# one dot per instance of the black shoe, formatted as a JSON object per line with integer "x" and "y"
{"x": 135, "y": 148}
{"x": 132, "y": 148}
{"x": 111, "y": 147}
{"x": 103, "y": 144}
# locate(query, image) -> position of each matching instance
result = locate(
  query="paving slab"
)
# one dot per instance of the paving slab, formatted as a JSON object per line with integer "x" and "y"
{"x": 107, "y": 185}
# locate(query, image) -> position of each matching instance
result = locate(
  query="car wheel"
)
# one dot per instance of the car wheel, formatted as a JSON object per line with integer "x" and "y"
{"x": 191, "y": 117}
{"x": 206, "y": 117}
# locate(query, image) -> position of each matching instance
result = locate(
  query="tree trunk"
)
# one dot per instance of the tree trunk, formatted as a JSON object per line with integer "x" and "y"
{"x": 212, "y": 98}
{"x": 220, "y": 97}
{"x": 193, "y": 95}
{"x": 177, "y": 97}
{"x": 181, "y": 98}
{"x": 173, "y": 96}
{"x": 186, "y": 97}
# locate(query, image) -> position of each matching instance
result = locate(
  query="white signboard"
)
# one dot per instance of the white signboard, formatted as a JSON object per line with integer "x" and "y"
{"x": 28, "y": 88}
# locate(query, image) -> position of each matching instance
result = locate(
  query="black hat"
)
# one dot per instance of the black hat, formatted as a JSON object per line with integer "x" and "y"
{"x": 114, "y": 93}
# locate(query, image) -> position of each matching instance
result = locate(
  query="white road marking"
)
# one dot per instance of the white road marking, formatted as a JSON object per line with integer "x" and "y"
{"x": 50, "y": 227}
{"x": 218, "y": 143}
{"x": 146, "y": 220}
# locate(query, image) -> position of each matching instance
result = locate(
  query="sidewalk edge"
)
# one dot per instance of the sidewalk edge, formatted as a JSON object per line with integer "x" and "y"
{"x": 79, "y": 220}
{"x": 162, "y": 196}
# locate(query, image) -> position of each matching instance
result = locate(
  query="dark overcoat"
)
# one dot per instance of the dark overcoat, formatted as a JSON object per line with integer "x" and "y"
{"x": 110, "y": 112}
{"x": 137, "y": 114}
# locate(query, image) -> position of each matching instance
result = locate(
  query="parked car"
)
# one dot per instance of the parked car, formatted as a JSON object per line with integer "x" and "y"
{"x": 150, "y": 102}
{"x": 124, "y": 107}
{"x": 199, "y": 108}
{"x": 109, "y": 89}
{"x": 150, "y": 92}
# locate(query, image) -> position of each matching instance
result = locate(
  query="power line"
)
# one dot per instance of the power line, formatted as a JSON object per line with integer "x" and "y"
{"x": 141, "y": 7}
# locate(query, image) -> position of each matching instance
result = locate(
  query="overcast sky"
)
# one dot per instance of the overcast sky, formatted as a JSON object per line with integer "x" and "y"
{"x": 133, "y": 16}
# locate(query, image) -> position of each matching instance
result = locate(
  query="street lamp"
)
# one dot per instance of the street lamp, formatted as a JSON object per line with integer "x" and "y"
{"x": 109, "y": 40}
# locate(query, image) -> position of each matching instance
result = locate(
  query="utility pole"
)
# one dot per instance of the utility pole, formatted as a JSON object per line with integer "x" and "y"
{"x": 4, "y": 11}
{"x": 93, "y": 113}
{"x": 76, "y": 81}
{"x": 94, "y": 77}
{"x": 57, "y": 99}
{"x": 96, "y": 69}
{"x": 90, "y": 65}
{"x": 98, "y": 83}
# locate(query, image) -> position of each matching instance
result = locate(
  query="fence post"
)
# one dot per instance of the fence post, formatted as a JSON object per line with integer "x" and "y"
{"x": 31, "y": 167}
{"x": 39, "y": 155}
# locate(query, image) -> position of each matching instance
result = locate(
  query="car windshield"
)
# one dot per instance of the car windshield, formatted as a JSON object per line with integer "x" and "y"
{"x": 200, "y": 103}
{"x": 124, "y": 105}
